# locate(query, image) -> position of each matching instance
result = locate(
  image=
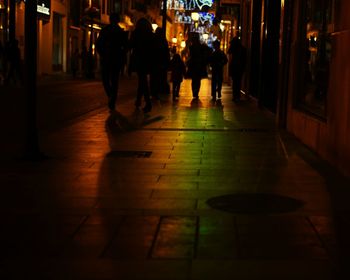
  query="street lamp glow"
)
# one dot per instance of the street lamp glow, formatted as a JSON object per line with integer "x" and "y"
{"x": 174, "y": 40}
{"x": 222, "y": 27}
{"x": 154, "y": 26}
{"x": 195, "y": 16}
{"x": 183, "y": 44}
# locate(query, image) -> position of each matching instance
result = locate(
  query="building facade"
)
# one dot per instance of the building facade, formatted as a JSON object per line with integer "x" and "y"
{"x": 299, "y": 69}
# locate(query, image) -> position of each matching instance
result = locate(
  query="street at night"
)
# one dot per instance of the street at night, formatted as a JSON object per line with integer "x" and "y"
{"x": 174, "y": 140}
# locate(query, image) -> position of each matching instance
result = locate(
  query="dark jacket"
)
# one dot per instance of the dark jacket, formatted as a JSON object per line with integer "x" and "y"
{"x": 177, "y": 68}
{"x": 238, "y": 58}
{"x": 142, "y": 50}
{"x": 111, "y": 44}
{"x": 218, "y": 60}
{"x": 161, "y": 51}
{"x": 198, "y": 60}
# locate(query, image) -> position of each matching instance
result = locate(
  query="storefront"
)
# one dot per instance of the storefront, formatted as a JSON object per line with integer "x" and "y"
{"x": 319, "y": 90}
{"x": 299, "y": 63}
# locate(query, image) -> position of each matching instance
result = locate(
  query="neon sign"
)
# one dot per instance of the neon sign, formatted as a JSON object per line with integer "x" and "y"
{"x": 188, "y": 4}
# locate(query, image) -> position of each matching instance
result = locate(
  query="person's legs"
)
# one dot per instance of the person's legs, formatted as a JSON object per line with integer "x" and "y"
{"x": 213, "y": 85}
{"x": 141, "y": 87}
{"x": 219, "y": 84}
{"x": 114, "y": 85}
{"x": 155, "y": 84}
{"x": 105, "y": 76}
{"x": 176, "y": 89}
{"x": 146, "y": 95}
{"x": 196, "y": 83}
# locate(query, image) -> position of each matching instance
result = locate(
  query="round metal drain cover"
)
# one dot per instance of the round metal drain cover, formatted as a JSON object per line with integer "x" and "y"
{"x": 254, "y": 203}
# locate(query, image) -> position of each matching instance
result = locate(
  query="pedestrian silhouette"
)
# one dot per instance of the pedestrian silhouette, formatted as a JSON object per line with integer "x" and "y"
{"x": 142, "y": 47}
{"x": 217, "y": 61}
{"x": 178, "y": 70}
{"x": 13, "y": 58}
{"x": 159, "y": 73}
{"x": 197, "y": 64}
{"x": 238, "y": 56}
{"x": 111, "y": 45}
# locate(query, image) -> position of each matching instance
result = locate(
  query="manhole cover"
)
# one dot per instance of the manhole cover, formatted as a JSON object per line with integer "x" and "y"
{"x": 255, "y": 203}
{"x": 132, "y": 154}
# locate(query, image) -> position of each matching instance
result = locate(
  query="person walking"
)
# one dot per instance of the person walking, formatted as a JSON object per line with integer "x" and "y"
{"x": 237, "y": 63}
{"x": 197, "y": 64}
{"x": 13, "y": 58}
{"x": 142, "y": 47}
{"x": 178, "y": 70}
{"x": 110, "y": 46}
{"x": 159, "y": 74}
{"x": 217, "y": 61}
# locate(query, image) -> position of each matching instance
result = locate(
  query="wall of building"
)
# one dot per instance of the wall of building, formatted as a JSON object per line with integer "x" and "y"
{"x": 329, "y": 137}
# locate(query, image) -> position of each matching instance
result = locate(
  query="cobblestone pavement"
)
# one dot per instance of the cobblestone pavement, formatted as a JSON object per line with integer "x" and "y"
{"x": 126, "y": 196}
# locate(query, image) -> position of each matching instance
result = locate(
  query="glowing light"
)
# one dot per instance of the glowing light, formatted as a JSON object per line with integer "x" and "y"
{"x": 195, "y": 16}
{"x": 183, "y": 44}
{"x": 222, "y": 27}
{"x": 94, "y": 26}
{"x": 205, "y": 36}
{"x": 154, "y": 26}
{"x": 174, "y": 40}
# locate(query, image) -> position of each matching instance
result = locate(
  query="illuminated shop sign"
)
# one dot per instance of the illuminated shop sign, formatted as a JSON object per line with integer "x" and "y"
{"x": 43, "y": 7}
{"x": 188, "y": 4}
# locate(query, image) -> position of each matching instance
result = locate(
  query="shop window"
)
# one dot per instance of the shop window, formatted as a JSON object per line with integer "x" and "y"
{"x": 315, "y": 55}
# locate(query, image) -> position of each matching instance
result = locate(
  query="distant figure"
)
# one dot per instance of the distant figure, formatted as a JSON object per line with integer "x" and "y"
{"x": 197, "y": 64}
{"x": 74, "y": 62}
{"x": 13, "y": 57}
{"x": 178, "y": 70}
{"x": 238, "y": 56}
{"x": 159, "y": 73}
{"x": 111, "y": 45}
{"x": 142, "y": 47}
{"x": 217, "y": 61}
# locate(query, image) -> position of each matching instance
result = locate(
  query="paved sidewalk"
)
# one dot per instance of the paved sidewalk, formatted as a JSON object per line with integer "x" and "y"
{"x": 134, "y": 196}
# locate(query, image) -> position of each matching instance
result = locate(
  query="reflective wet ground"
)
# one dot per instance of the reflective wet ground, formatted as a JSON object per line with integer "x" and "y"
{"x": 127, "y": 196}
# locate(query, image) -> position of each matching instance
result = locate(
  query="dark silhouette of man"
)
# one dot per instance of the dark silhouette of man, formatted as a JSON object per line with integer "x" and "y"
{"x": 238, "y": 57}
{"x": 197, "y": 64}
{"x": 111, "y": 45}
{"x": 159, "y": 73}
{"x": 217, "y": 62}
{"x": 142, "y": 44}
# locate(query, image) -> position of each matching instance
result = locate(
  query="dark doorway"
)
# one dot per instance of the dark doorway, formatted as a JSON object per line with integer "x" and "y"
{"x": 57, "y": 47}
